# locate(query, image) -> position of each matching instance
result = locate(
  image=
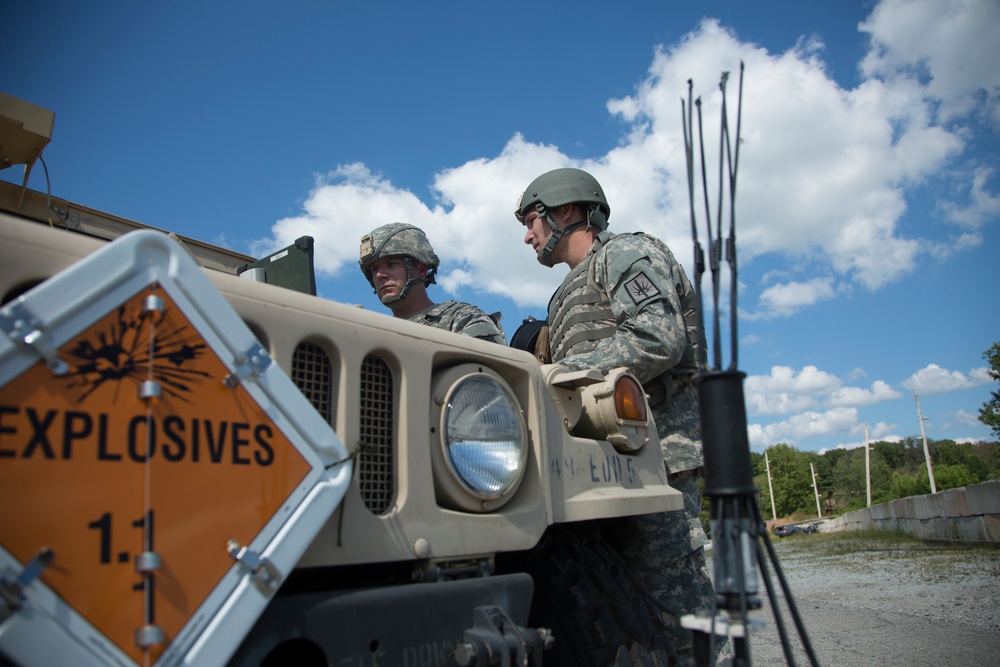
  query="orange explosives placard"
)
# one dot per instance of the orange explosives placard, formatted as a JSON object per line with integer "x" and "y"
{"x": 100, "y": 474}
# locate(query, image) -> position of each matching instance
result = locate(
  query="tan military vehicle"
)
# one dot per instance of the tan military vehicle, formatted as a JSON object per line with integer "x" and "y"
{"x": 202, "y": 463}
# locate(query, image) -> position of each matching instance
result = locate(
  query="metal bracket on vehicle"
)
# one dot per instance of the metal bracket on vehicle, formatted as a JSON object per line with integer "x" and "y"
{"x": 495, "y": 639}
{"x": 451, "y": 570}
{"x": 253, "y": 362}
{"x": 12, "y": 590}
{"x": 21, "y": 325}
{"x": 262, "y": 571}
{"x": 149, "y": 636}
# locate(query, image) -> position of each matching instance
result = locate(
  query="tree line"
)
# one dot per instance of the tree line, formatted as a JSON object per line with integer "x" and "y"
{"x": 898, "y": 470}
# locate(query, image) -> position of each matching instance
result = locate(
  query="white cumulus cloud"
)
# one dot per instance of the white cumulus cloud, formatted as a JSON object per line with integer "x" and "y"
{"x": 933, "y": 379}
{"x": 824, "y": 169}
{"x": 860, "y": 397}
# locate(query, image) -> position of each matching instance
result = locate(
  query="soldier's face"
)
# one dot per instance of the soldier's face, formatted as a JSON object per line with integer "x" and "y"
{"x": 537, "y": 231}
{"x": 389, "y": 274}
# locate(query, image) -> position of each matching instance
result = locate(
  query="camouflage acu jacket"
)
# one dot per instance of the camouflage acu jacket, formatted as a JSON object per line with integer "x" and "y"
{"x": 463, "y": 318}
{"x": 630, "y": 304}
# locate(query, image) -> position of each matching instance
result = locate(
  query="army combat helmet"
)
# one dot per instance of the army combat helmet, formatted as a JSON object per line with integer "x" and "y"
{"x": 563, "y": 186}
{"x": 398, "y": 239}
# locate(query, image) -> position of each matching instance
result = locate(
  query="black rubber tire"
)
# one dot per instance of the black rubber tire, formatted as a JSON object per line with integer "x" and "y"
{"x": 600, "y": 613}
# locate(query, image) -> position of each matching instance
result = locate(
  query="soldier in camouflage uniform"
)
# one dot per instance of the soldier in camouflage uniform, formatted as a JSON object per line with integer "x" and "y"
{"x": 626, "y": 302}
{"x": 399, "y": 263}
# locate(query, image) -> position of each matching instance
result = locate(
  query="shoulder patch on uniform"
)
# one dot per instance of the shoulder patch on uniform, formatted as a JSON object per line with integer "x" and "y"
{"x": 641, "y": 288}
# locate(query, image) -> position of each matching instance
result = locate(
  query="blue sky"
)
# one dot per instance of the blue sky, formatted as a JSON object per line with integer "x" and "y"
{"x": 868, "y": 197}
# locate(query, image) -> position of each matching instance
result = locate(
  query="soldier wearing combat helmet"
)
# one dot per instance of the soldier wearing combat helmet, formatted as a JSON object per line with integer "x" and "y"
{"x": 626, "y": 302}
{"x": 399, "y": 263}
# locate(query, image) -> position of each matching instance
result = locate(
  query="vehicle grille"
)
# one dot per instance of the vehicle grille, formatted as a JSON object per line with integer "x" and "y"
{"x": 376, "y": 461}
{"x": 312, "y": 373}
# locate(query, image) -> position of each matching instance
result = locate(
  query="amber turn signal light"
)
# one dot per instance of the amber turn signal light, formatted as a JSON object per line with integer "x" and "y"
{"x": 630, "y": 403}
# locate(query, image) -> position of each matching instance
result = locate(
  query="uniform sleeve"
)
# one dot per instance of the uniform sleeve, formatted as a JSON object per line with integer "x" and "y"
{"x": 472, "y": 321}
{"x": 651, "y": 336}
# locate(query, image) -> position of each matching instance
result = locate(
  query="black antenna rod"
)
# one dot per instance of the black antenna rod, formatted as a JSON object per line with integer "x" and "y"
{"x": 731, "y": 241}
{"x": 716, "y": 258}
{"x": 699, "y": 254}
{"x": 712, "y": 259}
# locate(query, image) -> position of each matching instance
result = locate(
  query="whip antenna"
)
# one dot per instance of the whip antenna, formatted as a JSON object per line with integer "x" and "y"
{"x": 734, "y": 161}
{"x": 699, "y": 254}
{"x": 739, "y": 534}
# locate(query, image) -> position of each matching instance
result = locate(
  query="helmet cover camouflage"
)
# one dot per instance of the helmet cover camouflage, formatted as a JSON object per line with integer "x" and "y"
{"x": 397, "y": 239}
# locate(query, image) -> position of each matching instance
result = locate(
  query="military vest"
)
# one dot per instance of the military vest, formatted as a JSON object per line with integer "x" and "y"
{"x": 580, "y": 314}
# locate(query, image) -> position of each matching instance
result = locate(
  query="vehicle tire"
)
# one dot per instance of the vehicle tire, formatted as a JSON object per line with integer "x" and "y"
{"x": 600, "y": 613}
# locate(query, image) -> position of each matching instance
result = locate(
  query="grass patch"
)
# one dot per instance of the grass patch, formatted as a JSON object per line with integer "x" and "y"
{"x": 867, "y": 541}
{"x": 865, "y": 553}
{"x": 850, "y": 546}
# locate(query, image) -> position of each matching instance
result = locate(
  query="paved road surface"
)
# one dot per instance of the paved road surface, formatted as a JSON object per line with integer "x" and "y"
{"x": 885, "y": 602}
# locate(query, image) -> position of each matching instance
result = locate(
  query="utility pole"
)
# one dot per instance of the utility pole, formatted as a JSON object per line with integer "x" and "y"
{"x": 868, "y": 466}
{"x": 774, "y": 511}
{"x": 927, "y": 451}
{"x": 815, "y": 490}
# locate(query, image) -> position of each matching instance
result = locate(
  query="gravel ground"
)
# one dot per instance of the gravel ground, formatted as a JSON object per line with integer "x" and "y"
{"x": 869, "y": 599}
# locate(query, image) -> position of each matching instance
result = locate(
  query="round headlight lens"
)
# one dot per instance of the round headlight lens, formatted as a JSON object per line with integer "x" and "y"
{"x": 484, "y": 436}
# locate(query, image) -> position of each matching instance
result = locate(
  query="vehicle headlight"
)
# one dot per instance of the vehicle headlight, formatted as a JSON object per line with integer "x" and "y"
{"x": 483, "y": 441}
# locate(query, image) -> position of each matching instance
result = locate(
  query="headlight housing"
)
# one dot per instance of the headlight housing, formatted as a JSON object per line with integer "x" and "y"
{"x": 482, "y": 448}
{"x": 616, "y": 410}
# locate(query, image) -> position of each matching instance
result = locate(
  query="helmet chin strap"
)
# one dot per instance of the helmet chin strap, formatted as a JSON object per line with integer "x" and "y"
{"x": 545, "y": 254}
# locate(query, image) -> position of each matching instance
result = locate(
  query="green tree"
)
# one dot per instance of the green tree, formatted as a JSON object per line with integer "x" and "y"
{"x": 952, "y": 476}
{"x": 849, "y": 476}
{"x": 828, "y": 463}
{"x": 989, "y": 414}
{"x": 881, "y": 479}
{"x": 966, "y": 455}
{"x": 759, "y": 470}
{"x": 890, "y": 452}
{"x": 903, "y": 486}
{"x": 913, "y": 451}
{"x": 790, "y": 477}
{"x": 989, "y": 452}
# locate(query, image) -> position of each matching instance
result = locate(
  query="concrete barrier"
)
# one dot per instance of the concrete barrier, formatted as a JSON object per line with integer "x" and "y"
{"x": 965, "y": 514}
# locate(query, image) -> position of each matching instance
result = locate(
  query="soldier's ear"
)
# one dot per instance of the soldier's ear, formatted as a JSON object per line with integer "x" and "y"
{"x": 421, "y": 269}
